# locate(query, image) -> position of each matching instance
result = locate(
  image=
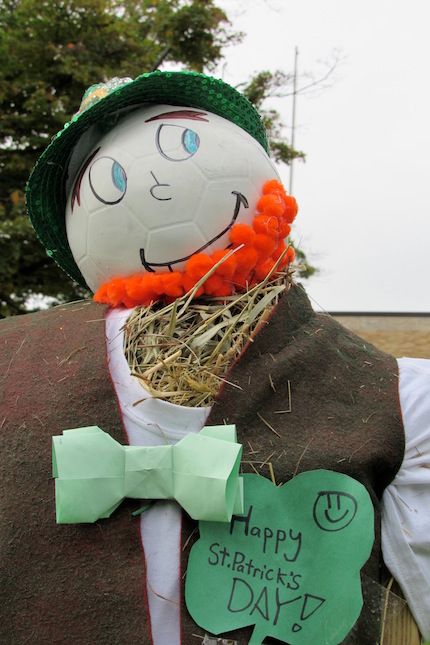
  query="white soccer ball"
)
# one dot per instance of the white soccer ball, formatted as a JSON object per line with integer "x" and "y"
{"x": 167, "y": 182}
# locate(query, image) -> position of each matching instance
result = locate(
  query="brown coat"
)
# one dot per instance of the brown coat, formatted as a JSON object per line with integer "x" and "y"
{"x": 86, "y": 583}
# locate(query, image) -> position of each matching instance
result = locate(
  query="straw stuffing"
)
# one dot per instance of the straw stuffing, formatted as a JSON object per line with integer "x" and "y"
{"x": 181, "y": 352}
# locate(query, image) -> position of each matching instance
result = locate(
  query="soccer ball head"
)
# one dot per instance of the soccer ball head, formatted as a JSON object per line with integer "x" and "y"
{"x": 165, "y": 183}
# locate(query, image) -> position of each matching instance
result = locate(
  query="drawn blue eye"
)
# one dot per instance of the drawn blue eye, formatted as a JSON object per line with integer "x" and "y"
{"x": 118, "y": 177}
{"x": 108, "y": 180}
{"x": 176, "y": 143}
{"x": 190, "y": 141}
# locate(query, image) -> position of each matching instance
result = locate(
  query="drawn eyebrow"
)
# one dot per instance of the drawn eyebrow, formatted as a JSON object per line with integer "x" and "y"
{"x": 180, "y": 114}
{"x": 76, "y": 193}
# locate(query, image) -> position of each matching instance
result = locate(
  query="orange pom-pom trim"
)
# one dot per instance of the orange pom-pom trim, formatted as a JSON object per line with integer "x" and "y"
{"x": 264, "y": 245}
{"x": 229, "y": 265}
{"x": 259, "y": 247}
{"x": 242, "y": 234}
{"x": 172, "y": 284}
{"x": 198, "y": 265}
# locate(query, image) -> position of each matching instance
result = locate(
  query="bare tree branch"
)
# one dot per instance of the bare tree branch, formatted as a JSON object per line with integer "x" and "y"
{"x": 161, "y": 58}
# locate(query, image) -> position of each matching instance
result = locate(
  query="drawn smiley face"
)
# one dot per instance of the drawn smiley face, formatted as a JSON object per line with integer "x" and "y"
{"x": 334, "y": 510}
{"x": 167, "y": 182}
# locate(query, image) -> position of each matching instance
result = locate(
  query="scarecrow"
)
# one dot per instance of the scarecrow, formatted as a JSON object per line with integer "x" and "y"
{"x": 160, "y": 196}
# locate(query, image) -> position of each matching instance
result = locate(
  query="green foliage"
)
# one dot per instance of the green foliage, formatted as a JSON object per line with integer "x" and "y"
{"x": 25, "y": 268}
{"x": 265, "y": 85}
{"x": 50, "y": 52}
{"x": 304, "y": 269}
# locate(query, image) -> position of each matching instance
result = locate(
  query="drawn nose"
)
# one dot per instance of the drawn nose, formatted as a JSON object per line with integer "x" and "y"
{"x": 158, "y": 190}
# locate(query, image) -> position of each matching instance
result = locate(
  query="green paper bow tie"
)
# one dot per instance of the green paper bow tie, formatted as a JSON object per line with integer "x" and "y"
{"x": 94, "y": 474}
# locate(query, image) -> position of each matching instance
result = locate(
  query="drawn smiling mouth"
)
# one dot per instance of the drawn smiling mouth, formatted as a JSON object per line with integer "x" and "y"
{"x": 149, "y": 266}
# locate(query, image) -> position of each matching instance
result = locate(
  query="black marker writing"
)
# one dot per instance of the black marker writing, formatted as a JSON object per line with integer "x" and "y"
{"x": 274, "y": 539}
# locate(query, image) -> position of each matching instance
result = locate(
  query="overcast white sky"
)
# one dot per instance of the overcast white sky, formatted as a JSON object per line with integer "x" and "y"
{"x": 363, "y": 192}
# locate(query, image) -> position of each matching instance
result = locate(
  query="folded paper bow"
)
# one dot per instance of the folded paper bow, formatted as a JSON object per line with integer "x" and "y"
{"x": 94, "y": 474}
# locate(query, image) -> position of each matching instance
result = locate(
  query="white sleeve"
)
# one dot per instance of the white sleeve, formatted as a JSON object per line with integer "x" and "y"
{"x": 406, "y": 501}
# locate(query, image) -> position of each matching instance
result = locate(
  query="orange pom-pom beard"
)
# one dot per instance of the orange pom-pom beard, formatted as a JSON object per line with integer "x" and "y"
{"x": 259, "y": 248}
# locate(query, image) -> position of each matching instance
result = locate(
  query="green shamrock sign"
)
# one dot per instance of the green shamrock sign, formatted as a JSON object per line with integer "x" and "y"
{"x": 290, "y": 564}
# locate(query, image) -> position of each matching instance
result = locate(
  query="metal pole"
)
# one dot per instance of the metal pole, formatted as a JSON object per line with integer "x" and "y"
{"x": 293, "y": 124}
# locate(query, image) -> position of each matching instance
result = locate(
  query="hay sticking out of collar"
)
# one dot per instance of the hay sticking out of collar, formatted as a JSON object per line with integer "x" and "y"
{"x": 182, "y": 352}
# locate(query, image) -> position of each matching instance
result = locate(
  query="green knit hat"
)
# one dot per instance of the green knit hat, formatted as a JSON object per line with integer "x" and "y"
{"x": 53, "y": 175}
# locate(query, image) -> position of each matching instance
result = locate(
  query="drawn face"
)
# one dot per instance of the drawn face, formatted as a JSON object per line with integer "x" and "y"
{"x": 167, "y": 182}
{"x": 334, "y": 510}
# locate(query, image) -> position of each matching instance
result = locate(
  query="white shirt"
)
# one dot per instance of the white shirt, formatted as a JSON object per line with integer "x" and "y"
{"x": 151, "y": 422}
{"x": 406, "y": 501}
